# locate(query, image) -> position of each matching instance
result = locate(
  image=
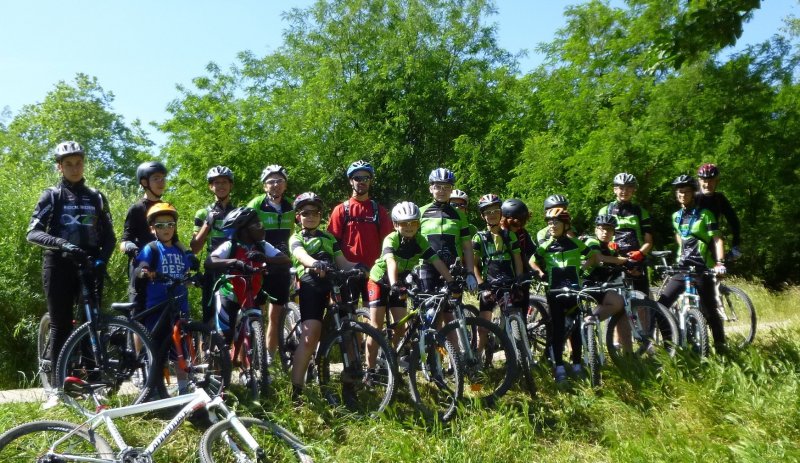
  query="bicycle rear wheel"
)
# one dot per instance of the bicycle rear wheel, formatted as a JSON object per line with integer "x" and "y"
{"x": 435, "y": 377}
{"x": 36, "y": 441}
{"x": 42, "y": 346}
{"x": 128, "y": 360}
{"x": 696, "y": 336}
{"x": 207, "y": 362}
{"x": 592, "y": 354}
{"x": 740, "y": 316}
{"x": 344, "y": 377}
{"x": 538, "y": 326}
{"x": 653, "y": 331}
{"x": 221, "y": 443}
{"x": 523, "y": 353}
{"x": 258, "y": 381}
{"x": 289, "y": 334}
{"x": 485, "y": 381}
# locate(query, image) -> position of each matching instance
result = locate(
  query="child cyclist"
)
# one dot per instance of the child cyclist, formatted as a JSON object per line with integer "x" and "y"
{"x": 313, "y": 251}
{"x": 243, "y": 254}
{"x": 558, "y": 260}
{"x": 497, "y": 256}
{"x": 402, "y": 250}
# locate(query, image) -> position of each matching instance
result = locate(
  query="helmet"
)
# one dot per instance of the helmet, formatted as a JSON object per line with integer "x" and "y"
{"x": 708, "y": 171}
{"x": 273, "y": 169}
{"x": 515, "y": 208}
{"x": 558, "y": 213}
{"x": 159, "y": 209}
{"x": 442, "y": 175}
{"x": 305, "y": 198}
{"x": 68, "y": 148}
{"x": 147, "y": 169}
{"x": 405, "y": 211}
{"x": 219, "y": 171}
{"x": 488, "y": 200}
{"x": 239, "y": 217}
{"x": 606, "y": 220}
{"x": 625, "y": 179}
{"x": 459, "y": 194}
{"x": 684, "y": 180}
{"x": 555, "y": 201}
{"x": 360, "y": 165}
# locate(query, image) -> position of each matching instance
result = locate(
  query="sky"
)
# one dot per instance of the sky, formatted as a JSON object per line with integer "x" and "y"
{"x": 140, "y": 50}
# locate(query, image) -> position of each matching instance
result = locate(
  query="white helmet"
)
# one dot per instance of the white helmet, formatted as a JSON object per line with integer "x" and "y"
{"x": 274, "y": 169}
{"x": 459, "y": 194}
{"x": 405, "y": 211}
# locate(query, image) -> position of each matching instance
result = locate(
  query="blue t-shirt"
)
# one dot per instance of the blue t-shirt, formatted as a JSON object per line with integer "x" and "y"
{"x": 171, "y": 262}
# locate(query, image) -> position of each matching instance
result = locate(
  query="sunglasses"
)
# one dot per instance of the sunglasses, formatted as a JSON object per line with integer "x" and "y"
{"x": 408, "y": 223}
{"x": 163, "y": 225}
{"x": 492, "y": 212}
{"x": 310, "y": 213}
{"x": 459, "y": 205}
{"x": 275, "y": 181}
{"x": 441, "y": 187}
{"x": 361, "y": 178}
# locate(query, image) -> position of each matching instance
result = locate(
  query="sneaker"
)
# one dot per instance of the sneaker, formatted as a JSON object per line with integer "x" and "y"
{"x": 51, "y": 401}
{"x": 349, "y": 397}
{"x": 560, "y": 374}
{"x": 369, "y": 378}
{"x": 402, "y": 364}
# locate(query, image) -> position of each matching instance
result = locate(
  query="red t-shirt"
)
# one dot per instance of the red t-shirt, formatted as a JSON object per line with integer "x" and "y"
{"x": 360, "y": 238}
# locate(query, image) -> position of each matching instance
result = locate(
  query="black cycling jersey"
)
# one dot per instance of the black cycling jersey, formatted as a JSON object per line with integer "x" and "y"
{"x": 136, "y": 229}
{"x": 719, "y": 205}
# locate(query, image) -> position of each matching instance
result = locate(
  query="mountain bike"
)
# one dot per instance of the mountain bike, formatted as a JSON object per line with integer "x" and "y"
{"x": 189, "y": 354}
{"x": 510, "y": 318}
{"x": 290, "y": 329}
{"x": 692, "y": 325}
{"x": 106, "y": 351}
{"x": 588, "y": 326}
{"x": 538, "y": 321}
{"x": 231, "y": 438}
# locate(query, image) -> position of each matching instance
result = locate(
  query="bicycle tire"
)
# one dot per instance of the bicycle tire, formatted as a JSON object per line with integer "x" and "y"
{"x": 32, "y": 442}
{"x": 538, "y": 327}
{"x": 483, "y": 384}
{"x": 124, "y": 365}
{"x": 42, "y": 346}
{"x": 438, "y": 386}
{"x": 222, "y": 444}
{"x": 740, "y": 313}
{"x": 208, "y": 362}
{"x": 659, "y": 331}
{"x": 524, "y": 356}
{"x": 259, "y": 374}
{"x": 592, "y": 354}
{"x": 696, "y": 336}
{"x": 289, "y": 334}
{"x": 362, "y": 391}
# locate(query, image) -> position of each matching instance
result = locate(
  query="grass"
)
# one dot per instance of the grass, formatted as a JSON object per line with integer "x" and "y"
{"x": 740, "y": 406}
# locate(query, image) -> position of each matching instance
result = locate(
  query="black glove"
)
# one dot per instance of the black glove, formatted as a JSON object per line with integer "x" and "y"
{"x": 256, "y": 256}
{"x": 631, "y": 264}
{"x": 194, "y": 262}
{"x": 399, "y": 289}
{"x": 243, "y": 267}
{"x": 364, "y": 269}
{"x": 131, "y": 250}
{"x": 320, "y": 265}
{"x": 211, "y": 218}
{"x": 73, "y": 250}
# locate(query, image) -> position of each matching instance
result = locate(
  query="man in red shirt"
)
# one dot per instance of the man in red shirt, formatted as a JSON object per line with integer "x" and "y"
{"x": 360, "y": 224}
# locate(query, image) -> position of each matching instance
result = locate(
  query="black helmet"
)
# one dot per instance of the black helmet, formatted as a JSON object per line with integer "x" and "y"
{"x": 146, "y": 169}
{"x": 239, "y": 217}
{"x": 515, "y": 208}
{"x": 307, "y": 198}
{"x": 68, "y": 148}
{"x": 684, "y": 180}
{"x": 219, "y": 171}
{"x": 555, "y": 201}
{"x": 606, "y": 220}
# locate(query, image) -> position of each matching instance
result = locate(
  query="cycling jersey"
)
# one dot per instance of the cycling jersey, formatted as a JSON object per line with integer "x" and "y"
{"x": 235, "y": 289}
{"x": 445, "y": 228}
{"x": 360, "y": 229}
{"x": 278, "y": 222}
{"x": 561, "y": 260}
{"x": 633, "y": 222}
{"x": 719, "y": 205}
{"x": 696, "y": 229}
{"x": 136, "y": 228}
{"x": 318, "y": 244}
{"x": 600, "y": 273}
{"x": 496, "y": 252}
{"x": 406, "y": 253}
{"x": 170, "y": 261}
{"x": 216, "y": 235}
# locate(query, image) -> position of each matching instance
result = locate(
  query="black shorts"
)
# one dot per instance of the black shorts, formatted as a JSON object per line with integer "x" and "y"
{"x": 313, "y": 300}
{"x": 379, "y": 296}
{"x": 277, "y": 286}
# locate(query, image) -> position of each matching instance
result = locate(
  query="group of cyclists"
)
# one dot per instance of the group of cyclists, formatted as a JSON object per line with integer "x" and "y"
{"x": 72, "y": 222}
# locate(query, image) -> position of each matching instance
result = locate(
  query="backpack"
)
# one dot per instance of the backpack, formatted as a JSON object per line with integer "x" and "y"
{"x": 486, "y": 235}
{"x": 374, "y": 219}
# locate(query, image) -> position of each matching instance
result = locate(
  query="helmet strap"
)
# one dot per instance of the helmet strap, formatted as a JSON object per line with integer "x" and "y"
{"x": 148, "y": 190}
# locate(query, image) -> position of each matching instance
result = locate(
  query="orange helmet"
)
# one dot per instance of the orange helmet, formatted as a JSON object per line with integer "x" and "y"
{"x": 160, "y": 209}
{"x": 559, "y": 213}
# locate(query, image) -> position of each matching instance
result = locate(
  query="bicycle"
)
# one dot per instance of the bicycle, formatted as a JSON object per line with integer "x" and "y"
{"x": 511, "y": 320}
{"x": 289, "y": 326}
{"x": 691, "y": 323}
{"x": 108, "y": 351}
{"x": 231, "y": 438}
{"x": 189, "y": 354}
{"x": 735, "y": 308}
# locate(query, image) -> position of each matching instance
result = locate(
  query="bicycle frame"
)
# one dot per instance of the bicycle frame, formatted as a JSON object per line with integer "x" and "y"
{"x": 584, "y": 299}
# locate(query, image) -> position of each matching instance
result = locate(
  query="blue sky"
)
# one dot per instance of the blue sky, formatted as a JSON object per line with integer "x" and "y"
{"x": 140, "y": 50}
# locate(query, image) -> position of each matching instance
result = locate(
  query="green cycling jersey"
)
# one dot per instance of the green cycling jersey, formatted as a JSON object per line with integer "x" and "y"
{"x": 406, "y": 252}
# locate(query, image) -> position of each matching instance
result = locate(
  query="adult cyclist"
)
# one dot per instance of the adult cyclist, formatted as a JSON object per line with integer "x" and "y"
{"x": 717, "y": 203}
{"x": 69, "y": 220}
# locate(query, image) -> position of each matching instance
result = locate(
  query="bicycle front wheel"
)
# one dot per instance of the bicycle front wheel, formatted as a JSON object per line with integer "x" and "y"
{"x": 592, "y": 354}
{"x": 42, "y": 346}
{"x": 221, "y": 443}
{"x": 523, "y": 353}
{"x": 485, "y": 381}
{"x": 127, "y": 357}
{"x": 289, "y": 331}
{"x": 696, "y": 335}
{"x": 538, "y": 325}
{"x": 740, "y": 316}
{"x": 653, "y": 330}
{"x": 435, "y": 377}
{"x": 51, "y": 441}
{"x": 258, "y": 381}
{"x": 344, "y": 376}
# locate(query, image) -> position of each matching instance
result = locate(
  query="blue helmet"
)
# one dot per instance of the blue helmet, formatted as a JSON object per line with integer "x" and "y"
{"x": 442, "y": 175}
{"x": 360, "y": 165}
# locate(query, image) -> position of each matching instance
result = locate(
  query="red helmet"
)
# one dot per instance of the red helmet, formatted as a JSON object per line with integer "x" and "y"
{"x": 708, "y": 171}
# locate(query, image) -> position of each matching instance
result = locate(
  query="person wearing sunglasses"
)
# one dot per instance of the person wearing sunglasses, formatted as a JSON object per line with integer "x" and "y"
{"x": 360, "y": 224}
{"x": 277, "y": 217}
